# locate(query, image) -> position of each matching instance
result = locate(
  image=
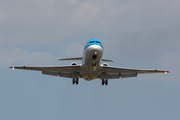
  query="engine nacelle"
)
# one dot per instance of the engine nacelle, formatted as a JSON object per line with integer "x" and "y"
{"x": 73, "y": 64}
{"x": 105, "y": 65}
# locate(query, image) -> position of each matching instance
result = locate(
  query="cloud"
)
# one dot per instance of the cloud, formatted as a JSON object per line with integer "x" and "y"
{"x": 74, "y": 50}
{"x": 49, "y": 22}
{"x": 21, "y": 57}
{"x": 139, "y": 29}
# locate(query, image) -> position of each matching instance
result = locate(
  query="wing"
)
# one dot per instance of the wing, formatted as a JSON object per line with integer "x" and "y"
{"x": 125, "y": 72}
{"x": 75, "y": 68}
{"x": 108, "y": 69}
{"x": 62, "y": 71}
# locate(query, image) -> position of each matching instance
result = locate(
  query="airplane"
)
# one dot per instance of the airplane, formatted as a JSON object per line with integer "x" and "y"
{"x": 91, "y": 67}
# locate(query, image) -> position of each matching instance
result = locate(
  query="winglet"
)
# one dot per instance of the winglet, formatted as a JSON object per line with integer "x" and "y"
{"x": 12, "y": 67}
{"x": 167, "y": 72}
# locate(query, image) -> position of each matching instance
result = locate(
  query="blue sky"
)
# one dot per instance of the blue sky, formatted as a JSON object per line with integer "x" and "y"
{"x": 135, "y": 34}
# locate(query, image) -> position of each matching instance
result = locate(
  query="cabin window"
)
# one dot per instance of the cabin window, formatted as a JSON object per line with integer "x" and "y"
{"x": 98, "y": 42}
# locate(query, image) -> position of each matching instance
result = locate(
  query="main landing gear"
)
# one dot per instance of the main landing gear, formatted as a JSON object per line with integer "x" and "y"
{"x": 75, "y": 81}
{"x": 75, "y": 78}
{"x": 104, "y": 81}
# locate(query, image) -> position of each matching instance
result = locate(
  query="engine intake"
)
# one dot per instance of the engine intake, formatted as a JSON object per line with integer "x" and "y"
{"x": 73, "y": 64}
{"x": 105, "y": 65}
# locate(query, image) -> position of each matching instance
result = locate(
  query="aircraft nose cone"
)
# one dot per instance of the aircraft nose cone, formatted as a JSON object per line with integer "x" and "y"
{"x": 96, "y": 48}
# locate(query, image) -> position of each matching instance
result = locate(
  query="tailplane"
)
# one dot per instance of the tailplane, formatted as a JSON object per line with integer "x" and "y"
{"x": 80, "y": 58}
{"x": 77, "y": 58}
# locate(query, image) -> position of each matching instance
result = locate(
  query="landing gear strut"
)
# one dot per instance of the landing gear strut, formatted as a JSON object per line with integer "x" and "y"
{"x": 104, "y": 81}
{"x": 75, "y": 81}
{"x": 75, "y": 78}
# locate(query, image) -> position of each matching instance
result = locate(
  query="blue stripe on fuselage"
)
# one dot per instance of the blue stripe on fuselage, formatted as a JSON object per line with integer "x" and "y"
{"x": 93, "y": 42}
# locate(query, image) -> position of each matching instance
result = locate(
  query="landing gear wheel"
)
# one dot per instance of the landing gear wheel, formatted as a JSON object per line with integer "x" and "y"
{"x": 102, "y": 81}
{"x": 106, "y": 82}
{"x": 73, "y": 81}
{"x": 77, "y": 81}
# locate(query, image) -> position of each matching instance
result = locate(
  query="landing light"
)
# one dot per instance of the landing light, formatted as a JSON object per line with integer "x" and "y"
{"x": 13, "y": 67}
{"x": 166, "y": 72}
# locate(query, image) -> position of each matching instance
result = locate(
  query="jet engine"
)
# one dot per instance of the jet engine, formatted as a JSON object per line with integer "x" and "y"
{"x": 73, "y": 64}
{"x": 105, "y": 65}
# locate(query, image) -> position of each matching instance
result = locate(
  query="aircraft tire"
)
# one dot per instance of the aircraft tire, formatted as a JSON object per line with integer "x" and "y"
{"x": 102, "y": 81}
{"x": 77, "y": 81}
{"x": 73, "y": 81}
{"x": 106, "y": 82}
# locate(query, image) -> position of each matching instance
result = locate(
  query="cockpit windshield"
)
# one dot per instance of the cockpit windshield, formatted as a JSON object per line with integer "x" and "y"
{"x": 94, "y": 41}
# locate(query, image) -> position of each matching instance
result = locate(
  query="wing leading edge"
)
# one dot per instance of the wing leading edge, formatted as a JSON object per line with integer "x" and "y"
{"x": 59, "y": 68}
{"x": 62, "y": 71}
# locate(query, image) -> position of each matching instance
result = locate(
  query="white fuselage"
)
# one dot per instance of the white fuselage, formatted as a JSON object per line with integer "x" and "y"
{"x": 91, "y": 62}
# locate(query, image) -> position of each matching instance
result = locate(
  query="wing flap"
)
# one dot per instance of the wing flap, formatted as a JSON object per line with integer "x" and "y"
{"x": 61, "y": 74}
{"x": 108, "y": 69}
{"x": 53, "y": 73}
{"x": 126, "y": 75}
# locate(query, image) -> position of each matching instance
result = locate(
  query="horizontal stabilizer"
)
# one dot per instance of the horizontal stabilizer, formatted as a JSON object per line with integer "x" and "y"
{"x": 106, "y": 60}
{"x": 80, "y": 58}
{"x": 77, "y": 58}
